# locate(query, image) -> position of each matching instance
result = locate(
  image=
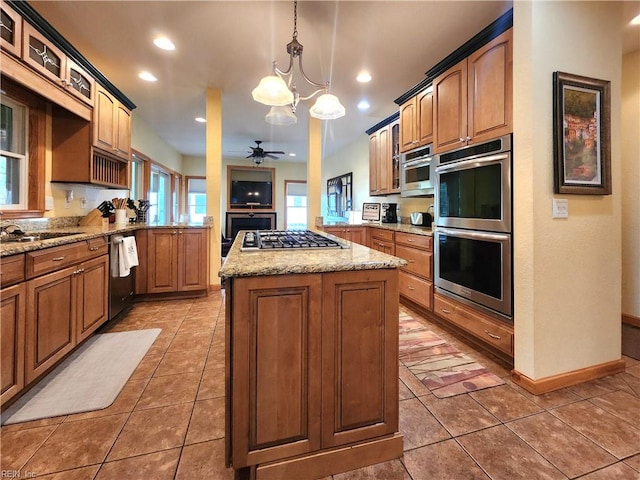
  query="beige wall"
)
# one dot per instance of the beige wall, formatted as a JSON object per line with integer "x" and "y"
{"x": 567, "y": 271}
{"x": 631, "y": 184}
{"x": 146, "y": 141}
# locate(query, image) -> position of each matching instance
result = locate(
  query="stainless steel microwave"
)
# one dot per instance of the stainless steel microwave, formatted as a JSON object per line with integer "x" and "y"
{"x": 416, "y": 173}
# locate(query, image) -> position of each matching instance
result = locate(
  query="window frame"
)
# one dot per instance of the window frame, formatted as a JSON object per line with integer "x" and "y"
{"x": 36, "y": 148}
{"x": 187, "y": 205}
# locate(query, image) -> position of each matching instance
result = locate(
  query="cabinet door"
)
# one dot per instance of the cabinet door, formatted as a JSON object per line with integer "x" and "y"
{"x": 79, "y": 82}
{"x": 162, "y": 258}
{"x": 384, "y": 160}
{"x": 359, "y": 356}
{"x": 192, "y": 259}
{"x": 12, "y": 318}
{"x": 51, "y": 312}
{"x": 42, "y": 55}
{"x": 424, "y": 102}
{"x": 450, "y": 108}
{"x": 104, "y": 120}
{"x": 408, "y": 137}
{"x": 491, "y": 89}
{"x": 373, "y": 164}
{"x": 357, "y": 235}
{"x": 92, "y": 289}
{"x": 11, "y": 34}
{"x": 275, "y": 392}
{"x": 383, "y": 246}
{"x": 122, "y": 139}
{"x": 339, "y": 232}
{"x": 420, "y": 261}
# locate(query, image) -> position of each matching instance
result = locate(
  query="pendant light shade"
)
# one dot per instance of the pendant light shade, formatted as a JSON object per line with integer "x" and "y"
{"x": 281, "y": 115}
{"x": 327, "y": 107}
{"x": 273, "y": 91}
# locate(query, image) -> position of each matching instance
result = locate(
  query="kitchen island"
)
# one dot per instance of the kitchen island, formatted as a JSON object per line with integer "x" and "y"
{"x": 311, "y": 360}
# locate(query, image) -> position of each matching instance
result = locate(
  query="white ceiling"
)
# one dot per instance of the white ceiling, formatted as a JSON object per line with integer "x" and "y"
{"x": 230, "y": 45}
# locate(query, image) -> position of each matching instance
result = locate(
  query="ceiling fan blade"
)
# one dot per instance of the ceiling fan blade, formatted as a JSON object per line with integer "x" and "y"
{"x": 279, "y": 152}
{"x": 272, "y": 156}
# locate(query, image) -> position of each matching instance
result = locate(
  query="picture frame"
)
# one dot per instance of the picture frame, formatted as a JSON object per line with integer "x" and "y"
{"x": 371, "y": 212}
{"x": 581, "y": 134}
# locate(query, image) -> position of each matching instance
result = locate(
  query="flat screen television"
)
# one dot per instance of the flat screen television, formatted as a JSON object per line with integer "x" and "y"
{"x": 249, "y": 192}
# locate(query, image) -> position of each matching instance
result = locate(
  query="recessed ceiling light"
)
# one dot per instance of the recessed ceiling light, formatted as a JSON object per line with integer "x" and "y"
{"x": 363, "y": 105}
{"x": 636, "y": 20}
{"x": 363, "y": 77}
{"x": 292, "y": 154}
{"x": 201, "y": 120}
{"x": 164, "y": 43}
{"x": 147, "y": 77}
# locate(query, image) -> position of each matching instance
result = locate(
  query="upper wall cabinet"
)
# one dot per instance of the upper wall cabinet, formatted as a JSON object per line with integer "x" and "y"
{"x": 43, "y": 55}
{"x": 111, "y": 125}
{"x": 10, "y": 30}
{"x": 473, "y": 99}
{"x": 384, "y": 160}
{"x": 416, "y": 121}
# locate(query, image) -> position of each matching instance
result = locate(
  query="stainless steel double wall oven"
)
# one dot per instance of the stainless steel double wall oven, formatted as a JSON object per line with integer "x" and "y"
{"x": 473, "y": 248}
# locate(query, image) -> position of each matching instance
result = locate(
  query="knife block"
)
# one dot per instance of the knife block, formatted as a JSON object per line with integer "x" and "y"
{"x": 94, "y": 218}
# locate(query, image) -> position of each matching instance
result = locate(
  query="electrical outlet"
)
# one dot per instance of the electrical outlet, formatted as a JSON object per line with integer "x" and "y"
{"x": 48, "y": 202}
{"x": 560, "y": 208}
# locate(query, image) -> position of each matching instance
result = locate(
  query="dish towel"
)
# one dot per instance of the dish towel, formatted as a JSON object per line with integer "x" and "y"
{"x": 127, "y": 256}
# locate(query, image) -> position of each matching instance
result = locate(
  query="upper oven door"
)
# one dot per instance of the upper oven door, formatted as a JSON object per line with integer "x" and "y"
{"x": 416, "y": 172}
{"x": 475, "y": 194}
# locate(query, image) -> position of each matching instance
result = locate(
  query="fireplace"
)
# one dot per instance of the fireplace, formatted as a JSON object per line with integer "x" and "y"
{"x": 249, "y": 221}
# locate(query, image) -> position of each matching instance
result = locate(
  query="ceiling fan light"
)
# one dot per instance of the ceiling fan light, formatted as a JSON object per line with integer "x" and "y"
{"x": 327, "y": 107}
{"x": 273, "y": 91}
{"x": 281, "y": 115}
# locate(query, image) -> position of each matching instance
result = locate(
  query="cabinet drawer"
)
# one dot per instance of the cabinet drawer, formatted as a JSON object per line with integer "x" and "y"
{"x": 380, "y": 234}
{"x": 420, "y": 262}
{"x": 417, "y": 241}
{"x": 443, "y": 307}
{"x": 94, "y": 247}
{"x": 50, "y": 259}
{"x": 416, "y": 289}
{"x": 491, "y": 332}
{"x": 12, "y": 269}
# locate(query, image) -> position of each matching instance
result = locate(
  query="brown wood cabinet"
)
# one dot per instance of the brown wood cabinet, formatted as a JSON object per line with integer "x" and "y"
{"x": 382, "y": 240}
{"x": 312, "y": 364}
{"x": 416, "y": 278}
{"x": 416, "y": 121}
{"x": 12, "y": 319}
{"x": 11, "y": 35}
{"x": 177, "y": 259}
{"x": 111, "y": 125}
{"x": 480, "y": 327}
{"x": 473, "y": 100}
{"x": 384, "y": 160}
{"x": 352, "y": 233}
{"x": 56, "y": 304}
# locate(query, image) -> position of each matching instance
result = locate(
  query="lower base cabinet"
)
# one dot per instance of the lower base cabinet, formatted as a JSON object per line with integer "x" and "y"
{"x": 352, "y": 233}
{"x": 312, "y": 365}
{"x": 12, "y": 318}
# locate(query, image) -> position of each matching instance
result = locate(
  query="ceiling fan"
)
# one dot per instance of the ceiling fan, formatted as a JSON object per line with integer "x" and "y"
{"x": 258, "y": 154}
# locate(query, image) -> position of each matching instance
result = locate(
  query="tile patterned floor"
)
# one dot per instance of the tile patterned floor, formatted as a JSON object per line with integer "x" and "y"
{"x": 168, "y": 422}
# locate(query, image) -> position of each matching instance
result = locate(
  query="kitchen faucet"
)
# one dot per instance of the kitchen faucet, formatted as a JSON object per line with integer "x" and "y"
{"x": 11, "y": 229}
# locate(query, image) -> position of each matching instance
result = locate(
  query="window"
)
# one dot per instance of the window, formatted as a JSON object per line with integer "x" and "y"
{"x": 14, "y": 175}
{"x": 196, "y": 198}
{"x": 160, "y": 196}
{"x": 137, "y": 178}
{"x": 295, "y": 216}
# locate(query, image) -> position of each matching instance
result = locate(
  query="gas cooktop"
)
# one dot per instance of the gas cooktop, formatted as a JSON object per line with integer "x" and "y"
{"x": 286, "y": 239}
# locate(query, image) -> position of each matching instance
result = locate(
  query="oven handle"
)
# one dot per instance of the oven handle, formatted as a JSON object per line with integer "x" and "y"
{"x": 473, "y": 235}
{"x": 414, "y": 163}
{"x": 476, "y": 162}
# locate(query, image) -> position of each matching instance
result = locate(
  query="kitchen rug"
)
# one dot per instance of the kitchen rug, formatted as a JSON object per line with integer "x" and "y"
{"x": 89, "y": 379}
{"x": 440, "y": 366}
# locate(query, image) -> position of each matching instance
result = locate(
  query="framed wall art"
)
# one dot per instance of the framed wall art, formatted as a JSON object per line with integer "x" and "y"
{"x": 581, "y": 135}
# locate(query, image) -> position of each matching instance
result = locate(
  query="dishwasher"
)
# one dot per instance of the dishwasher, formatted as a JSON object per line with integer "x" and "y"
{"x": 120, "y": 288}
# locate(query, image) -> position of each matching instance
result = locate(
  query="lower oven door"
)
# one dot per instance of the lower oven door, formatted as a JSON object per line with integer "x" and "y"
{"x": 475, "y": 266}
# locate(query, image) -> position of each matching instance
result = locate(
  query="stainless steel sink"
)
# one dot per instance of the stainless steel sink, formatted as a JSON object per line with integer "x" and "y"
{"x": 35, "y": 236}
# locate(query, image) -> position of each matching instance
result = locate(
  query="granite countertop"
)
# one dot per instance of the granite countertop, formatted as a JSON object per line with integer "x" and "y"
{"x": 396, "y": 227}
{"x": 284, "y": 262}
{"x": 80, "y": 233}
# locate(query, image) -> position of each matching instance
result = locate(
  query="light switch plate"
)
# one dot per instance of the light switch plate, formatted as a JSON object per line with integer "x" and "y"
{"x": 560, "y": 208}
{"x": 48, "y": 202}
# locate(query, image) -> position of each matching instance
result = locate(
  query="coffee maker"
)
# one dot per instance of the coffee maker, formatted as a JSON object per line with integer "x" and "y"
{"x": 389, "y": 213}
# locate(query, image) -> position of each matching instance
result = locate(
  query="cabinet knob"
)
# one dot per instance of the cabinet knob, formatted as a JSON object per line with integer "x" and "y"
{"x": 410, "y": 287}
{"x": 174, "y": 233}
{"x": 93, "y": 249}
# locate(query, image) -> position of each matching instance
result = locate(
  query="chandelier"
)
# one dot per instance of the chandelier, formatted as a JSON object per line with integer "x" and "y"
{"x": 280, "y": 92}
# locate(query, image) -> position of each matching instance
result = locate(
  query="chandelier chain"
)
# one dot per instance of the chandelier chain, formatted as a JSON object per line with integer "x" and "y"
{"x": 295, "y": 19}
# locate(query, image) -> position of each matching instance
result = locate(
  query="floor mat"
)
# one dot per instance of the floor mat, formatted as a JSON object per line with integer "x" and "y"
{"x": 440, "y": 366}
{"x": 89, "y": 379}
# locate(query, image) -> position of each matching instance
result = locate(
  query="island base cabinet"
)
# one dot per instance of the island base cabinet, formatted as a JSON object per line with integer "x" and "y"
{"x": 311, "y": 367}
